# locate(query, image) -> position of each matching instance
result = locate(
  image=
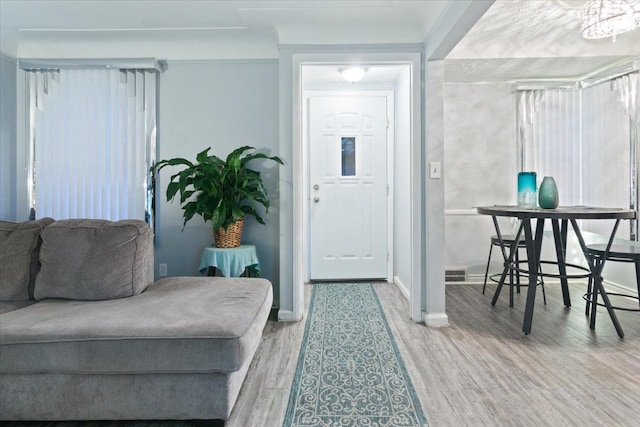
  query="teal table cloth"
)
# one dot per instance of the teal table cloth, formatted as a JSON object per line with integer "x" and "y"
{"x": 230, "y": 261}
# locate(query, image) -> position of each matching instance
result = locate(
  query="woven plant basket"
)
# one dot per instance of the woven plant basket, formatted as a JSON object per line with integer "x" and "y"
{"x": 231, "y": 237}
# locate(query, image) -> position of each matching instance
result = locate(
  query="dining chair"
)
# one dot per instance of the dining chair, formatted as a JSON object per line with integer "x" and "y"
{"x": 509, "y": 241}
{"x": 598, "y": 254}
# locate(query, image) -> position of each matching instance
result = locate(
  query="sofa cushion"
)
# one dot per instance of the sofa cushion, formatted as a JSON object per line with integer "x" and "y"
{"x": 178, "y": 325}
{"x": 7, "y": 306}
{"x": 19, "y": 246}
{"x": 90, "y": 259}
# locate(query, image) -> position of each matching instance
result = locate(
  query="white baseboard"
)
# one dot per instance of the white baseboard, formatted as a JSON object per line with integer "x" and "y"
{"x": 436, "y": 320}
{"x": 288, "y": 316}
{"x": 620, "y": 288}
{"x": 472, "y": 279}
{"x": 401, "y": 286}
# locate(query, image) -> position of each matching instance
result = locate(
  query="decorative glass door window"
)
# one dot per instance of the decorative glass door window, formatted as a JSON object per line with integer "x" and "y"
{"x": 348, "y": 148}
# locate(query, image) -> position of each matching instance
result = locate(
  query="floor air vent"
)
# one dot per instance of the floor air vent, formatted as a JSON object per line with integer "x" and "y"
{"x": 455, "y": 275}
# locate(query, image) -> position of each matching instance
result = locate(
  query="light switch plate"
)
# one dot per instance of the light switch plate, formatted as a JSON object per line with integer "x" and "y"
{"x": 434, "y": 170}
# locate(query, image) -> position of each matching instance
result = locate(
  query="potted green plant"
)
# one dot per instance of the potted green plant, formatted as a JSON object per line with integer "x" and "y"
{"x": 220, "y": 191}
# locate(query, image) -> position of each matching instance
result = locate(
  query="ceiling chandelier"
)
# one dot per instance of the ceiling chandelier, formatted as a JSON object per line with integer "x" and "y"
{"x": 608, "y": 18}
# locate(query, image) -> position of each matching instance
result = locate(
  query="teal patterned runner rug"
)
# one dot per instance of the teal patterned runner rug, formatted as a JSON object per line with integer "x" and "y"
{"x": 350, "y": 372}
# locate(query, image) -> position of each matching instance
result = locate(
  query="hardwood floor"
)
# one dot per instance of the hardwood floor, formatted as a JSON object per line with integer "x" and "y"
{"x": 481, "y": 370}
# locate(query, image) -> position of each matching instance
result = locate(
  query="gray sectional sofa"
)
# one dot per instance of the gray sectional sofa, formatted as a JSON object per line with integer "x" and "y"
{"x": 85, "y": 334}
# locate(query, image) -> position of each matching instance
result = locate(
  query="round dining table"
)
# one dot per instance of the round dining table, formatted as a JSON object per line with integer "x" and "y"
{"x": 560, "y": 218}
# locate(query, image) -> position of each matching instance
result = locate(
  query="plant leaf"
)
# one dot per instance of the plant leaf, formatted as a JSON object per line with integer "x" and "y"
{"x": 220, "y": 191}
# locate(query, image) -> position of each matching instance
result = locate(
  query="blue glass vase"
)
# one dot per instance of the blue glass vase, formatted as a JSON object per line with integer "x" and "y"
{"x": 527, "y": 189}
{"x": 548, "y": 193}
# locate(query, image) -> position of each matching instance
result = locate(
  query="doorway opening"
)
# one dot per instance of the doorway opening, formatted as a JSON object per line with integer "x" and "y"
{"x": 356, "y": 217}
{"x": 301, "y": 72}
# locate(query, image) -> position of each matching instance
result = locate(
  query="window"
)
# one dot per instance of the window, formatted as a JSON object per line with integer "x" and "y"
{"x": 92, "y": 141}
{"x": 348, "y": 149}
{"x": 585, "y": 137}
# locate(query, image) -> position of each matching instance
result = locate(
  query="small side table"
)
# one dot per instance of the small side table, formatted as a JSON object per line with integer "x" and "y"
{"x": 232, "y": 262}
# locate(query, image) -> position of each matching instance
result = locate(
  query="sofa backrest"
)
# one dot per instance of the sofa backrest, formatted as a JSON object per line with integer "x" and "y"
{"x": 19, "y": 264}
{"x": 90, "y": 259}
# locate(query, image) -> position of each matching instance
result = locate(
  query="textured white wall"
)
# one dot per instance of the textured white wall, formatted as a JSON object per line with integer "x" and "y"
{"x": 480, "y": 168}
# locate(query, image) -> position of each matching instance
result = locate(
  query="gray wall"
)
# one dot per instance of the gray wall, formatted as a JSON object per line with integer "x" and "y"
{"x": 222, "y": 105}
{"x": 219, "y": 104}
{"x": 8, "y": 125}
{"x": 433, "y": 257}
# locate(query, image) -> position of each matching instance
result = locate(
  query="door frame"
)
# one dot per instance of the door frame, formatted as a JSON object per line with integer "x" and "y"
{"x": 292, "y": 57}
{"x": 306, "y": 160}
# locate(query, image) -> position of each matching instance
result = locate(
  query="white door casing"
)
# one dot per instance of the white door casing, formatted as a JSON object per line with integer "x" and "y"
{"x": 293, "y": 184}
{"x": 348, "y": 181}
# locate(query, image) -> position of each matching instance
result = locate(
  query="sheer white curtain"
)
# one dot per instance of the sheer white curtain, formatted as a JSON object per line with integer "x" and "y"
{"x": 92, "y": 141}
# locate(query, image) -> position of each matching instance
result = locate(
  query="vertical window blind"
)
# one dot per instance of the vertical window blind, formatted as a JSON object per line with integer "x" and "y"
{"x": 92, "y": 141}
{"x": 550, "y": 139}
{"x": 585, "y": 137}
{"x": 606, "y": 153}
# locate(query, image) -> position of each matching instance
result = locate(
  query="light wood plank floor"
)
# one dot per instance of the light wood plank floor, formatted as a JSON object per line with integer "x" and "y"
{"x": 481, "y": 370}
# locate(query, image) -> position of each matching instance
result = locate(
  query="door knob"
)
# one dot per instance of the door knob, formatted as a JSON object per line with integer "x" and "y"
{"x": 316, "y": 199}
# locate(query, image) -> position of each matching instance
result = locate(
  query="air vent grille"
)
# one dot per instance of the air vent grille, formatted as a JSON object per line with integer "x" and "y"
{"x": 455, "y": 275}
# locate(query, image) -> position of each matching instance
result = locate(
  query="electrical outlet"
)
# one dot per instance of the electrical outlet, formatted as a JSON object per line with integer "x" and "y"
{"x": 162, "y": 270}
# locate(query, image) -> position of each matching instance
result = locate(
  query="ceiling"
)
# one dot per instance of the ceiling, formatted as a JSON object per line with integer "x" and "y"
{"x": 514, "y": 40}
{"x": 536, "y": 40}
{"x": 239, "y": 24}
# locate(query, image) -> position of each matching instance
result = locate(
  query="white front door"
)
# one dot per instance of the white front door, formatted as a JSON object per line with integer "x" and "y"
{"x": 348, "y": 187}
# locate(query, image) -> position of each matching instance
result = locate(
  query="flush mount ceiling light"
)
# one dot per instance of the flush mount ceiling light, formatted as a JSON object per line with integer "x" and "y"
{"x": 352, "y": 74}
{"x": 608, "y": 18}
